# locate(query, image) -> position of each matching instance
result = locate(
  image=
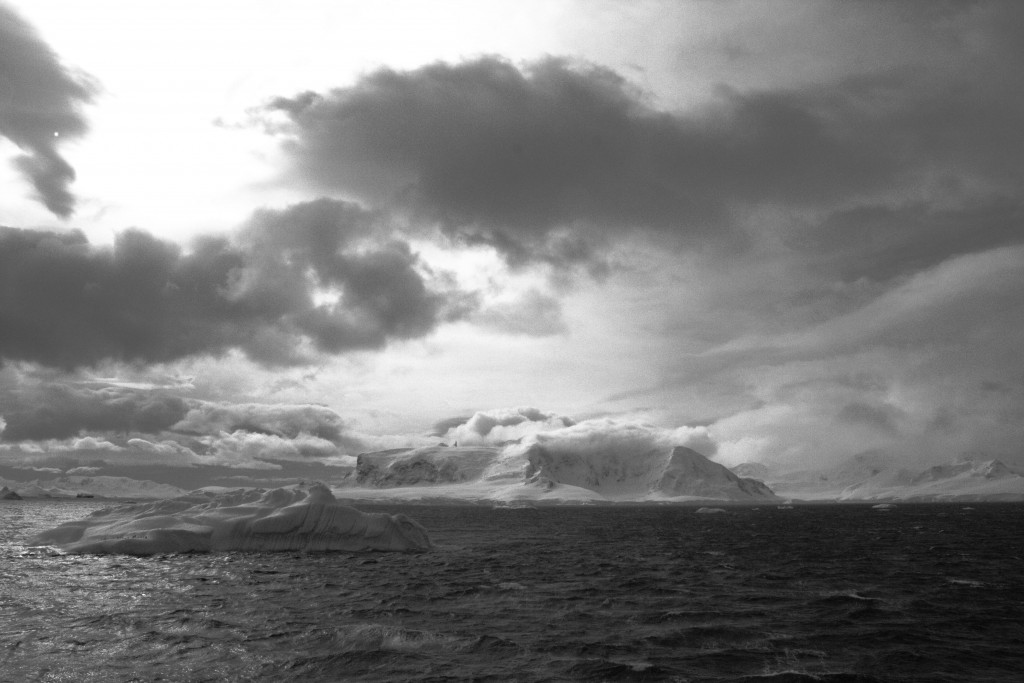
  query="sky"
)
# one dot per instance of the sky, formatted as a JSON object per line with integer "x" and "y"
{"x": 256, "y": 239}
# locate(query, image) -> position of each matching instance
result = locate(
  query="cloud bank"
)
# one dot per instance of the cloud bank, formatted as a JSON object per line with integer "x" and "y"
{"x": 500, "y": 425}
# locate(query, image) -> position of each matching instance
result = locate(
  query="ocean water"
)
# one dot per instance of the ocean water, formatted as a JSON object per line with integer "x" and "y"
{"x": 823, "y": 593}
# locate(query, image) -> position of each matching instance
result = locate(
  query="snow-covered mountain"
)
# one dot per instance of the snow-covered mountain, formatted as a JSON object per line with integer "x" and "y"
{"x": 872, "y": 476}
{"x": 652, "y": 473}
{"x": 428, "y": 466}
{"x": 71, "y": 486}
{"x": 965, "y": 481}
{"x": 554, "y": 472}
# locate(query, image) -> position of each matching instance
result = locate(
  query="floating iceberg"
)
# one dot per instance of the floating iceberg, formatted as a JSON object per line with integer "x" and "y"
{"x": 248, "y": 520}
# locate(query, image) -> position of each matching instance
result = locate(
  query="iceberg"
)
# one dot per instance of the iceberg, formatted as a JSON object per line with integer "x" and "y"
{"x": 305, "y": 519}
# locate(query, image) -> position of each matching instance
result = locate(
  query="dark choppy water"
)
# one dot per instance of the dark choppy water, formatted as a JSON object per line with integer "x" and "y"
{"x": 920, "y": 593}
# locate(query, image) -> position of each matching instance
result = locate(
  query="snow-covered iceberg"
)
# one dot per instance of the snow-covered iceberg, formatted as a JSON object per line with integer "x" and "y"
{"x": 306, "y": 519}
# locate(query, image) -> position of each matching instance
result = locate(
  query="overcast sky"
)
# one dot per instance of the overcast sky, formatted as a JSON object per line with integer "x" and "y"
{"x": 264, "y": 235}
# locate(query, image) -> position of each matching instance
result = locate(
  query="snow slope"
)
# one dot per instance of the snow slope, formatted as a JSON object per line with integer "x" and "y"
{"x": 551, "y": 470}
{"x": 250, "y": 520}
{"x": 651, "y": 473}
{"x": 872, "y": 476}
{"x": 966, "y": 481}
{"x": 423, "y": 466}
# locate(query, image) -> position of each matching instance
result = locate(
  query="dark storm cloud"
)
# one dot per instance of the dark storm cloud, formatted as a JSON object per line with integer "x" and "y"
{"x": 66, "y": 303}
{"x": 40, "y": 106}
{"x": 59, "y": 411}
{"x": 551, "y": 160}
{"x": 384, "y": 293}
{"x": 510, "y": 156}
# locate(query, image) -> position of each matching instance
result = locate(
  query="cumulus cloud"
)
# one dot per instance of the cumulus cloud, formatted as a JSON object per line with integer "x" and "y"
{"x": 264, "y": 436}
{"x": 619, "y": 438}
{"x": 492, "y": 427}
{"x": 40, "y": 107}
{"x": 306, "y": 280}
{"x": 164, "y": 451}
{"x": 91, "y": 443}
{"x": 276, "y": 420}
{"x": 267, "y": 451}
{"x": 84, "y": 471}
{"x": 527, "y": 425}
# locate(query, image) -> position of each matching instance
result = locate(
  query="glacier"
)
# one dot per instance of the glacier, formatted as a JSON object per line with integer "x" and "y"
{"x": 301, "y": 518}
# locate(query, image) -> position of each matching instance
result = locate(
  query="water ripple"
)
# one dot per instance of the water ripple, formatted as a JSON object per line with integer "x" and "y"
{"x": 924, "y": 593}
